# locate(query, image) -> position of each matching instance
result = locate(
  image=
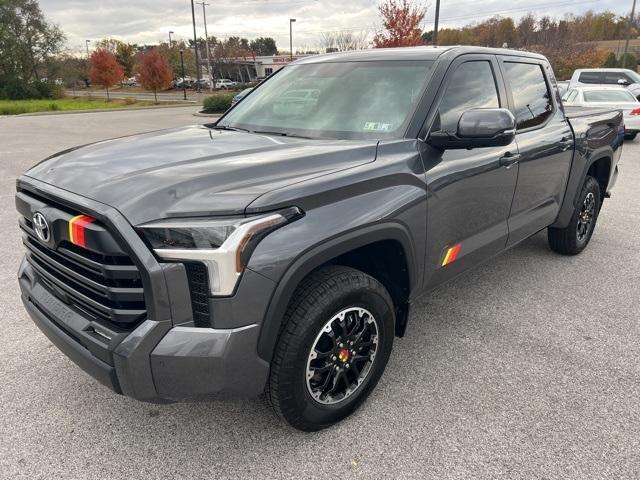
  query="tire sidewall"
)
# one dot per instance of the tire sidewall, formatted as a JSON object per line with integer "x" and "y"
{"x": 590, "y": 186}
{"x": 379, "y": 306}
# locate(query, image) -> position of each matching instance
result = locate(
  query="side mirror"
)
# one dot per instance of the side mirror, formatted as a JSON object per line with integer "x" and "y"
{"x": 623, "y": 81}
{"x": 477, "y": 128}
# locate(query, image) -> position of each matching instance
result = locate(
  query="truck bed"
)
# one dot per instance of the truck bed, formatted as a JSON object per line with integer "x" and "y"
{"x": 578, "y": 112}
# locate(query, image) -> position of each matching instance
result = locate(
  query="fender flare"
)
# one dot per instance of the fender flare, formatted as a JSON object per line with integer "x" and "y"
{"x": 576, "y": 179}
{"x": 318, "y": 255}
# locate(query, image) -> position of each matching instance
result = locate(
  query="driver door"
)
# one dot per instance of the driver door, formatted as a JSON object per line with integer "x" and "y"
{"x": 469, "y": 192}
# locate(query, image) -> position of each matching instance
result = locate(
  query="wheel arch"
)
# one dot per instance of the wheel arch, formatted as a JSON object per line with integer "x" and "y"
{"x": 598, "y": 163}
{"x": 342, "y": 250}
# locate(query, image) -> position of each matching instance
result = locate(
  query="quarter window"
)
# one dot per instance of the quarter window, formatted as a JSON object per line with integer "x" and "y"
{"x": 471, "y": 86}
{"x": 531, "y": 97}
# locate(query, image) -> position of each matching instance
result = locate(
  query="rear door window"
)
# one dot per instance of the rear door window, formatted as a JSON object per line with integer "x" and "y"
{"x": 531, "y": 96}
{"x": 590, "y": 77}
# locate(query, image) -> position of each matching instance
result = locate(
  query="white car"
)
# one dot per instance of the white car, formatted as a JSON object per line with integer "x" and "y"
{"x": 588, "y": 77}
{"x": 225, "y": 83}
{"x": 609, "y": 97}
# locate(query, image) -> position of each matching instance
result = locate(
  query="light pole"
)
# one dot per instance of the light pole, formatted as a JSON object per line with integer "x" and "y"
{"x": 195, "y": 46}
{"x": 626, "y": 43}
{"x": 435, "y": 25}
{"x": 86, "y": 42}
{"x": 184, "y": 80}
{"x": 206, "y": 36}
{"x": 170, "y": 32}
{"x": 291, "y": 21}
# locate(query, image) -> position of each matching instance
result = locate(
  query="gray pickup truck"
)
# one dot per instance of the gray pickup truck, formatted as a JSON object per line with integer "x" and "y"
{"x": 278, "y": 250}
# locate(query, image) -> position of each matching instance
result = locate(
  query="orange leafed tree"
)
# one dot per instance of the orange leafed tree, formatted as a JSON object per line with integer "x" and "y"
{"x": 104, "y": 70}
{"x": 154, "y": 72}
{"x": 402, "y": 22}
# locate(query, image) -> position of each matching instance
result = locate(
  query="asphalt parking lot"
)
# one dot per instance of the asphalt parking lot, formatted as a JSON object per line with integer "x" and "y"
{"x": 527, "y": 367}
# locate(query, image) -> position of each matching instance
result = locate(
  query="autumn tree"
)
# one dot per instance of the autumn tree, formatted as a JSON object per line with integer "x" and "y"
{"x": 124, "y": 53}
{"x": 154, "y": 72}
{"x": 104, "y": 70}
{"x": 402, "y": 22}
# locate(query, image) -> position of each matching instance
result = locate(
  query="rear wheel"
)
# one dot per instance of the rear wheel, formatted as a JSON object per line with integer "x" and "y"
{"x": 334, "y": 346}
{"x": 630, "y": 136}
{"x": 575, "y": 237}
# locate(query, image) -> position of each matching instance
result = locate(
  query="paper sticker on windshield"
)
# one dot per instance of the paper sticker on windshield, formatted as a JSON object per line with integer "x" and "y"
{"x": 377, "y": 127}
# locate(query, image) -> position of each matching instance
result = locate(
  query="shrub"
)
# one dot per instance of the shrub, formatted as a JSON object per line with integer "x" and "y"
{"x": 217, "y": 103}
{"x": 21, "y": 90}
{"x": 129, "y": 101}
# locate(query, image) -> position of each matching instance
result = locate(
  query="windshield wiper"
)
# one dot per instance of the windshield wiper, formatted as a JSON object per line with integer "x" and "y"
{"x": 281, "y": 134}
{"x": 226, "y": 127}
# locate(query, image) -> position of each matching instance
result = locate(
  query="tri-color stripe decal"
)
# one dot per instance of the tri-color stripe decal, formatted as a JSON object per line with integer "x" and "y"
{"x": 77, "y": 229}
{"x": 451, "y": 254}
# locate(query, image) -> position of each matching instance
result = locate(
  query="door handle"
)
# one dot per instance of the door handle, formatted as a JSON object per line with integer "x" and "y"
{"x": 509, "y": 159}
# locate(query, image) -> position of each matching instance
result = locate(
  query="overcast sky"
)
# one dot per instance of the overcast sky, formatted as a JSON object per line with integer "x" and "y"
{"x": 149, "y": 21}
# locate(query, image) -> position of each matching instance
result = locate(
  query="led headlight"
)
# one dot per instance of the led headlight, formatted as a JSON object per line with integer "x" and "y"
{"x": 224, "y": 245}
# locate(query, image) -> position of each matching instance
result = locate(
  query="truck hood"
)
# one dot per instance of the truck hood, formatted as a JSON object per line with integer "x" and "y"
{"x": 194, "y": 171}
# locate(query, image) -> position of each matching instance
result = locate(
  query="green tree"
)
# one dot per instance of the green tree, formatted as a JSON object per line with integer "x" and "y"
{"x": 172, "y": 55}
{"x": 264, "y": 46}
{"x": 611, "y": 61}
{"x": 629, "y": 60}
{"x": 26, "y": 42}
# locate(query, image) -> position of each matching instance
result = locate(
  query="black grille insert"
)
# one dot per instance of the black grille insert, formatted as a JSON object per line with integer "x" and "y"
{"x": 199, "y": 289}
{"x": 104, "y": 287}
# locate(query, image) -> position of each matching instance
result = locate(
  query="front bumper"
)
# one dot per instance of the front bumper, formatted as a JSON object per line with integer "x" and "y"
{"x": 150, "y": 363}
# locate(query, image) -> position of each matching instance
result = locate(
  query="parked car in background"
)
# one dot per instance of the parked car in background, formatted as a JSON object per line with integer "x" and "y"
{"x": 609, "y": 97}
{"x": 295, "y": 102}
{"x": 563, "y": 86}
{"x": 204, "y": 83}
{"x": 240, "y": 96}
{"x": 186, "y": 82}
{"x": 584, "y": 77}
{"x": 225, "y": 83}
{"x": 130, "y": 82}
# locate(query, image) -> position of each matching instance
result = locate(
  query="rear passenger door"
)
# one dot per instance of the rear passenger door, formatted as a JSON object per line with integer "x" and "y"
{"x": 545, "y": 144}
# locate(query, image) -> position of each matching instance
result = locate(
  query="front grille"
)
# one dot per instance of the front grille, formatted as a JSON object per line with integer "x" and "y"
{"x": 105, "y": 287}
{"x": 199, "y": 289}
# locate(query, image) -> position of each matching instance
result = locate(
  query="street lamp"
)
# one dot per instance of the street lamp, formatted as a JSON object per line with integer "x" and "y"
{"x": 87, "y": 45}
{"x": 195, "y": 46}
{"x": 435, "y": 26}
{"x": 291, "y": 20}
{"x": 170, "y": 32}
{"x": 184, "y": 80}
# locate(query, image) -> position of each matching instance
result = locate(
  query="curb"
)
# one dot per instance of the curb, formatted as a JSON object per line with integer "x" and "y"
{"x": 101, "y": 110}
{"x": 202, "y": 114}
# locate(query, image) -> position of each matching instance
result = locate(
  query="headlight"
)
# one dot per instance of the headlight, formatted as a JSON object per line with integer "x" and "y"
{"x": 223, "y": 245}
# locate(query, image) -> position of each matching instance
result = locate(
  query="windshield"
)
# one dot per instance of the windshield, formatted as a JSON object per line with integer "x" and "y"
{"x": 335, "y": 100}
{"x": 634, "y": 75}
{"x": 611, "y": 96}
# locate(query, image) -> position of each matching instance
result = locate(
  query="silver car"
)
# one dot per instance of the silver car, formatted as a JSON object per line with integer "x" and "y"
{"x": 608, "y": 97}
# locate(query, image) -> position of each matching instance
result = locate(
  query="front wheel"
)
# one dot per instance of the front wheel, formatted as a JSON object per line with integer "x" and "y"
{"x": 335, "y": 344}
{"x": 575, "y": 237}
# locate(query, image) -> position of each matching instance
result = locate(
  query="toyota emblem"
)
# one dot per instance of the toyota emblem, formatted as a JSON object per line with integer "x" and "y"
{"x": 41, "y": 227}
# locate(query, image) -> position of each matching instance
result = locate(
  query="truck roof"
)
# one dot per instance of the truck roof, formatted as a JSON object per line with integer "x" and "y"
{"x": 410, "y": 53}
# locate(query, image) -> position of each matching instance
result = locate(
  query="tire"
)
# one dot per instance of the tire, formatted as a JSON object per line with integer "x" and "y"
{"x": 575, "y": 237}
{"x": 293, "y": 391}
{"x": 630, "y": 136}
